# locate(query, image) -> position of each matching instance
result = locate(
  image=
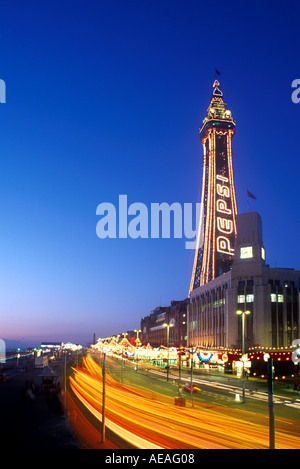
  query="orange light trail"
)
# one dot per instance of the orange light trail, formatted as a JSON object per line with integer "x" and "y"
{"x": 147, "y": 423}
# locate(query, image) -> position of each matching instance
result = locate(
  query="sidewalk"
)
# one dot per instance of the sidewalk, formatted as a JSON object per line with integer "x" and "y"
{"x": 31, "y": 423}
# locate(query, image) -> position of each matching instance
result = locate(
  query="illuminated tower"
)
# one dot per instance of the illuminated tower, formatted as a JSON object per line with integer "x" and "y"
{"x": 217, "y": 224}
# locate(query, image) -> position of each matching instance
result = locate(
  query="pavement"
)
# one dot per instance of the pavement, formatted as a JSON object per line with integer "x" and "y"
{"x": 36, "y": 422}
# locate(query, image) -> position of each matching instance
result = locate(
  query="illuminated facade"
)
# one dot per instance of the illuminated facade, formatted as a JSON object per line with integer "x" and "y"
{"x": 217, "y": 226}
{"x": 269, "y": 295}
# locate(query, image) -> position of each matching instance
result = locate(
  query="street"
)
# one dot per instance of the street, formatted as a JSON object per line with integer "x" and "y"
{"x": 141, "y": 411}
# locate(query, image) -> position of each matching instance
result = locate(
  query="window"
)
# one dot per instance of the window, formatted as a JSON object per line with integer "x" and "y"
{"x": 273, "y": 297}
{"x": 280, "y": 298}
{"x": 263, "y": 253}
{"x": 246, "y": 252}
{"x": 241, "y": 299}
{"x": 249, "y": 298}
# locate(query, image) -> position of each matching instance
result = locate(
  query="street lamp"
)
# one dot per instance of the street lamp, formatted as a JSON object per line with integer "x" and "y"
{"x": 124, "y": 334}
{"x": 103, "y": 398}
{"x": 137, "y": 340}
{"x": 18, "y": 356}
{"x": 168, "y": 332}
{"x": 137, "y": 343}
{"x": 243, "y": 313}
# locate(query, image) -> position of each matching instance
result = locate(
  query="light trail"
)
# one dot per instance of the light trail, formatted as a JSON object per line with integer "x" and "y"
{"x": 147, "y": 420}
{"x": 232, "y": 389}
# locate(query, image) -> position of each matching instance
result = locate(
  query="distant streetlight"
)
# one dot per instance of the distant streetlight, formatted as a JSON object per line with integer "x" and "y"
{"x": 179, "y": 373}
{"x": 243, "y": 313}
{"x": 103, "y": 399}
{"x": 124, "y": 334}
{"x": 137, "y": 341}
{"x": 168, "y": 332}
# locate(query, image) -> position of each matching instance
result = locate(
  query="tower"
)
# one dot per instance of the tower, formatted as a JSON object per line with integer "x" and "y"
{"x": 217, "y": 224}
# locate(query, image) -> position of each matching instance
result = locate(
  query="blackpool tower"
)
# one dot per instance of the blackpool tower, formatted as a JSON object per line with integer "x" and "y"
{"x": 217, "y": 224}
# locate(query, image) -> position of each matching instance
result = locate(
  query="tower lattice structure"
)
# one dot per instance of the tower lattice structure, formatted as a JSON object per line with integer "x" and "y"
{"x": 217, "y": 223}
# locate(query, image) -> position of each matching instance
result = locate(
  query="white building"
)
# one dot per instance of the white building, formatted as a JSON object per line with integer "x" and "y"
{"x": 269, "y": 295}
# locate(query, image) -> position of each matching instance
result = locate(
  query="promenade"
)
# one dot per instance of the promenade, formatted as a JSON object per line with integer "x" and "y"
{"x": 31, "y": 423}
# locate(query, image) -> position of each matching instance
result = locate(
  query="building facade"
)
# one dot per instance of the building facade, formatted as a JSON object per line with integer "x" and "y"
{"x": 269, "y": 296}
{"x": 155, "y": 332}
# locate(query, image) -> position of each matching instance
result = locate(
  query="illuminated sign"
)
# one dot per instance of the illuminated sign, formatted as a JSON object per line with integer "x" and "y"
{"x": 161, "y": 317}
{"x": 224, "y": 225}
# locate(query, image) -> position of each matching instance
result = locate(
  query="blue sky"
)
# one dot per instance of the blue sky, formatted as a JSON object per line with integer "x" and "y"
{"x": 106, "y": 98}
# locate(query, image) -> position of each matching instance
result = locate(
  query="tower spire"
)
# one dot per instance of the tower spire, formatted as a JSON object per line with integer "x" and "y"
{"x": 217, "y": 227}
{"x": 216, "y": 85}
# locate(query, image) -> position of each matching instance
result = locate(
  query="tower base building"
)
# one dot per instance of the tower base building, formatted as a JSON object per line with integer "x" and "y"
{"x": 268, "y": 297}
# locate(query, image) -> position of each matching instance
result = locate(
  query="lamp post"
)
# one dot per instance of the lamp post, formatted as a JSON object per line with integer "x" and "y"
{"x": 191, "y": 352}
{"x": 271, "y": 404}
{"x": 243, "y": 313}
{"x": 124, "y": 334}
{"x": 137, "y": 335}
{"x": 179, "y": 372}
{"x": 269, "y": 362}
{"x": 168, "y": 325}
{"x": 137, "y": 344}
{"x": 103, "y": 399}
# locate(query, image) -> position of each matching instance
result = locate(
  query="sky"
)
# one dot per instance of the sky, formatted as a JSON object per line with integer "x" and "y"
{"x": 106, "y": 98}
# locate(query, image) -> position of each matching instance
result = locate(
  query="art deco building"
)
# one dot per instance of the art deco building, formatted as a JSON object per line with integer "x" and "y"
{"x": 269, "y": 295}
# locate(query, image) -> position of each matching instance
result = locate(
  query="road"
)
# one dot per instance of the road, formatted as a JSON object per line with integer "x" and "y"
{"x": 217, "y": 389}
{"x": 141, "y": 410}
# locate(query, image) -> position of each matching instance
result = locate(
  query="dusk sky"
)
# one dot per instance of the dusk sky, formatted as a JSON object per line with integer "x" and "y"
{"x": 106, "y": 98}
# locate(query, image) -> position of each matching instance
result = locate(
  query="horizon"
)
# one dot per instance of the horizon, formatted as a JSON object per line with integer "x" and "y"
{"x": 105, "y": 99}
